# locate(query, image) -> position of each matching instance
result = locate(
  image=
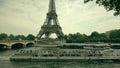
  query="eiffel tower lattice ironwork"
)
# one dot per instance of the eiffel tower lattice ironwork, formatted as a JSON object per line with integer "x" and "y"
{"x": 51, "y": 24}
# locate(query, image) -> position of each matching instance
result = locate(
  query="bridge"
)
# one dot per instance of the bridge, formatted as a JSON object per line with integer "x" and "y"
{"x": 15, "y": 44}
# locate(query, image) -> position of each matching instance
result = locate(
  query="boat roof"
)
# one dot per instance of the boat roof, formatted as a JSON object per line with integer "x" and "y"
{"x": 87, "y": 44}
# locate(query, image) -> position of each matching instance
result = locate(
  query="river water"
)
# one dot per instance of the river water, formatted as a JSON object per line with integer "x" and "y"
{"x": 5, "y": 63}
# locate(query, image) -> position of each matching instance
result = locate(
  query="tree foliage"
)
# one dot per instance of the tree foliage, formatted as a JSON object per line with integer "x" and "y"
{"x": 20, "y": 37}
{"x": 30, "y": 37}
{"x": 3, "y": 36}
{"x": 114, "y": 36}
{"x": 109, "y": 5}
{"x": 11, "y": 37}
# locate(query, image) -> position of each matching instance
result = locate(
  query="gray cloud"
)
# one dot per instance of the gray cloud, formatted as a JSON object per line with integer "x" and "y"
{"x": 27, "y": 16}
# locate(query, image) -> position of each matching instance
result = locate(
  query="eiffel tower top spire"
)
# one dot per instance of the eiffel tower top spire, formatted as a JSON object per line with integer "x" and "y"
{"x": 52, "y": 6}
{"x": 51, "y": 15}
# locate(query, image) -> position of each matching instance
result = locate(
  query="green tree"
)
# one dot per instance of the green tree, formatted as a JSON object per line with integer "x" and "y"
{"x": 3, "y": 36}
{"x": 11, "y": 37}
{"x": 75, "y": 38}
{"x": 103, "y": 37}
{"x": 94, "y": 37}
{"x": 20, "y": 37}
{"x": 108, "y": 4}
{"x": 115, "y": 34}
{"x": 79, "y": 38}
{"x": 97, "y": 37}
{"x": 94, "y": 34}
{"x": 30, "y": 37}
{"x": 85, "y": 38}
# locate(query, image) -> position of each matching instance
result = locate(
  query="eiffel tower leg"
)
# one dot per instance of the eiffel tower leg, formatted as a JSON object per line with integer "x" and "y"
{"x": 39, "y": 35}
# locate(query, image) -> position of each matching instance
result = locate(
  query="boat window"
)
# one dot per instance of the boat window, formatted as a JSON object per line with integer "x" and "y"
{"x": 36, "y": 55}
{"x": 115, "y": 46}
{"x": 45, "y": 55}
{"x": 61, "y": 55}
{"x": 51, "y": 55}
{"x": 71, "y": 47}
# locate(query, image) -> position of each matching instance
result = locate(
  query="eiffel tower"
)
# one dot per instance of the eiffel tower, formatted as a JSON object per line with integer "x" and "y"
{"x": 51, "y": 24}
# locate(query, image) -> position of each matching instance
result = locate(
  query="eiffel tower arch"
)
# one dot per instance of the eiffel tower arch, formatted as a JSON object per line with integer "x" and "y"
{"x": 50, "y": 26}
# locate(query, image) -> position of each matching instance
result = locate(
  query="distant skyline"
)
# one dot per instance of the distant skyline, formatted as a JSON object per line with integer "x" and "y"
{"x": 27, "y": 16}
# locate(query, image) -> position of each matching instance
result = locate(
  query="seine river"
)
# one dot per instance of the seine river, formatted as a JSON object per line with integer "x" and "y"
{"x": 5, "y": 63}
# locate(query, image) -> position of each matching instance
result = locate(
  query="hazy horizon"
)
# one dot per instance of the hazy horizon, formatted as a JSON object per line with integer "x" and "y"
{"x": 26, "y": 17}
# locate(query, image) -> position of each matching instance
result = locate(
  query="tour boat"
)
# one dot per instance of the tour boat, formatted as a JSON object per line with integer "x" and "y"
{"x": 68, "y": 52}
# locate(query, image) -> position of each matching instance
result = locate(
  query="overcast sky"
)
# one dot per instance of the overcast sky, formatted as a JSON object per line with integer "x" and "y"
{"x": 27, "y": 16}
